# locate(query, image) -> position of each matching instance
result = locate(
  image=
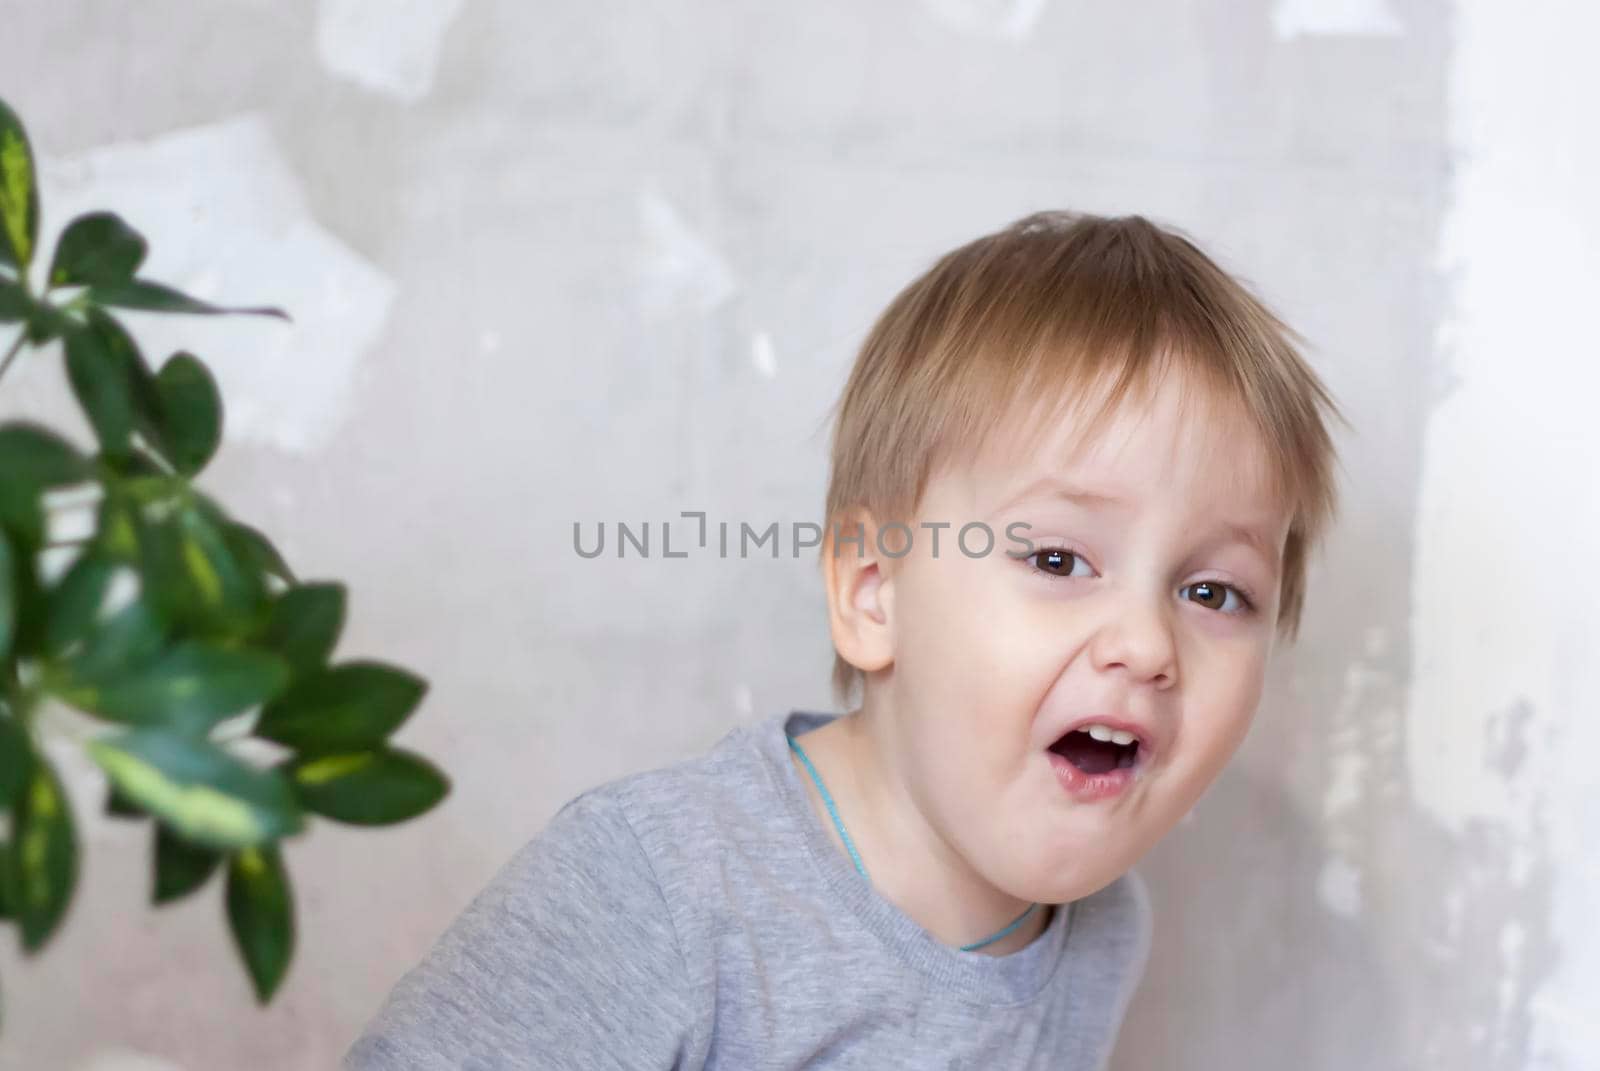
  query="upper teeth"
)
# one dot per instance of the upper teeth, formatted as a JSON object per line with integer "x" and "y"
{"x": 1105, "y": 732}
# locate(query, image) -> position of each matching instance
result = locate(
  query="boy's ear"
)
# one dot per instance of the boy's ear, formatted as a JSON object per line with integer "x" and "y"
{"x": 860, "y": 585}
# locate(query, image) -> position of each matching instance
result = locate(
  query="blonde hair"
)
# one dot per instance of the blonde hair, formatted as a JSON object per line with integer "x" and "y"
{"x": 1043, "y": 308}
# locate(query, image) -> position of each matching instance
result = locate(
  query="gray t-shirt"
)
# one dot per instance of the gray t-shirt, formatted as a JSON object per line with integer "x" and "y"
{"x": 699, "y": 916}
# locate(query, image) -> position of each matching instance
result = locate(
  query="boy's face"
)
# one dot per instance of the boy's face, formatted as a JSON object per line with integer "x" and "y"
{"x": 1130, "y": 612}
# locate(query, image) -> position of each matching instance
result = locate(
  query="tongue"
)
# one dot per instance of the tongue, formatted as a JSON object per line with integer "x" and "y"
{"x": 1088, "y": 754}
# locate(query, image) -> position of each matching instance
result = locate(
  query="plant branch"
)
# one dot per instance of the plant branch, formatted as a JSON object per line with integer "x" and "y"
{"x": 11, "y": 354}
{"x": 22, "y": 331}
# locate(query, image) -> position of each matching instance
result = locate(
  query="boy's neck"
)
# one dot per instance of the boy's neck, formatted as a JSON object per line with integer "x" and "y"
{"x": 910, "y": 865}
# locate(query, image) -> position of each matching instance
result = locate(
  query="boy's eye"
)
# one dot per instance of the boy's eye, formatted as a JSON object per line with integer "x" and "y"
{"x": 1055, "y": 561}
{"x": 1058, "y": 563}
{"x": 1216, "y": 594}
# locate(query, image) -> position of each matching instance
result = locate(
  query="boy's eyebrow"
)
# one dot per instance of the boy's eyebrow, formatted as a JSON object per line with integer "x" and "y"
{"x": 1083, "y": 496}
{"x": 1059, "y": 488}
{"x": 1253, "y": 538}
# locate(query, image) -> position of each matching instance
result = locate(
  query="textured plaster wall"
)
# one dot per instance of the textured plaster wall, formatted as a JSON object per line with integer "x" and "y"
{"x": 559, "y": 261}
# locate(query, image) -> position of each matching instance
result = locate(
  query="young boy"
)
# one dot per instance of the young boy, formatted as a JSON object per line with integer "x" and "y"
{"x": 1077, "y": 473}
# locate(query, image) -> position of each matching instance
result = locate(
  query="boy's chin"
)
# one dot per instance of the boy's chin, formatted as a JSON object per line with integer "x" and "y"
{"x": 1092, "y": 850}
{"x": 1079, "y": 883}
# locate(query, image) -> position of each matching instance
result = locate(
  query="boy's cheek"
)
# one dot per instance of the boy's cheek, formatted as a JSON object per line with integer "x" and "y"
{"x": 985, "y": 649}
{"x": 1208, "y": 740}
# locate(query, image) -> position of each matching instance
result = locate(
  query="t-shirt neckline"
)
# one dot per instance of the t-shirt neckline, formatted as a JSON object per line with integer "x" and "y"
{"x": 985, "y": 979}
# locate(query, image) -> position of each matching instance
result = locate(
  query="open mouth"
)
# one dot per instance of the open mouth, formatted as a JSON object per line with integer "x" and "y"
{"x": 1098, "y": 749}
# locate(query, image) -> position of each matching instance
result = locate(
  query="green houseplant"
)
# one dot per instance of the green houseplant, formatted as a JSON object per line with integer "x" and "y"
{"x": 173, "y": 630}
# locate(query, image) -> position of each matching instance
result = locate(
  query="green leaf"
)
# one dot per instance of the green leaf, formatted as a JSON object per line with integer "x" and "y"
{"x": 126, "y": 642}
{"x": 43, "y": 867}
{"x": 110, "y": 380}
{"x": 191, "y": 412}
{"x": 155, "y": 297}
{"x": 377, "y": 787}
{"x": 188, "y": 689}
{"x": 206, "y": 795}
{"x": 96, "y": 248}
{"x": 14, "y": 303}
{"x": 15, "y": 760}
{"x": 347, "y": 707}
{"x": 303, "y": 625}
{"x": 21, "y": 580}
{"x": 8, "y": 598}
{"x": 35, "y": 456}
{"x": 193, "y": 576}
{"x": 261, "y": 916}
{"x": 74, "y": 602}
{"x": 180, "y": 867}
{"x": 116, "y": 535}
{"x": 19, "y": 196}
{"x": 22, "y": 514}
{"x": 252, "y": 547}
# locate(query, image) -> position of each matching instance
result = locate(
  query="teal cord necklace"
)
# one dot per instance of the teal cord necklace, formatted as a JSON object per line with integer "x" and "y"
{"x": 833, "y": 812}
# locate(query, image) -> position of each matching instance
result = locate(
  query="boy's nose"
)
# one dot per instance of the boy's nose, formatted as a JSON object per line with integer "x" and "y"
{"x": 1136, "y": 638}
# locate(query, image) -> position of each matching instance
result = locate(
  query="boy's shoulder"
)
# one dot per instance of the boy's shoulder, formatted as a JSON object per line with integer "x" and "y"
{"x": 721, "y": 792}
{"x": 735, "y": 756}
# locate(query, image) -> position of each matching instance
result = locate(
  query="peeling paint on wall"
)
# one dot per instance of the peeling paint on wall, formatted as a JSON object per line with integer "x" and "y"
{"x": 1345, "y": 18}
{"x": 385, "y": 47}
{"x": 1502, "y": 730}
{"x": 677, "y": 268}
{"x": 227, "y": 222}
{"x": 764, "y": 356}
{"x": 1339, "y": 887}
{"x": 1362, "y": 751}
